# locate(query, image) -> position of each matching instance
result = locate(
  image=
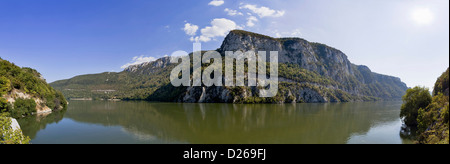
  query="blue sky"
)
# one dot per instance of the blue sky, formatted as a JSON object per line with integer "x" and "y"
{"x": 64, "y": 38}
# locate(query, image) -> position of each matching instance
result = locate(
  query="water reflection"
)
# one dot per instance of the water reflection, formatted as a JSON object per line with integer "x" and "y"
{"x": 232, "y": 123}
{"x": 32, "y": 124}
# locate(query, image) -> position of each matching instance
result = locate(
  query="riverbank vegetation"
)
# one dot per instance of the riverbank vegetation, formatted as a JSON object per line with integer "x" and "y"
{"x": 23, "y": 91}
{"x": 428, "y": 114}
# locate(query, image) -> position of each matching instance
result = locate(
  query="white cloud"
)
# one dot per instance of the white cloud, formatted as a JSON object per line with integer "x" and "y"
{"x": 190, "y": 29}
{"x": 219, "y": 27}
{"x": 138, "y": 60}
{"x": 251, "y": 21}
{"x": 231, "y": 12}
{"x": 263, "y": 11}
{"x": 293, "y": 33}
{"x": 276, "y": 33}
{"x": 296, "y": 33}
{"x": 216, "y": 2}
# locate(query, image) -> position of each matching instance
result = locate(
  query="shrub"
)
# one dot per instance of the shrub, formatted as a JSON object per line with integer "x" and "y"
{"x": 23, "y": 107}
{"x": 4, "y": 85}
{"x": 5, "y": 107}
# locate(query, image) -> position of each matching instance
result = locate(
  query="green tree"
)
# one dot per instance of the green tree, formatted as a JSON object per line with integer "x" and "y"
{"x": 429, "y": 115}
{"x": 441, "y": 85}
{"x": 4, "y": 85}
{"x": 414, "y": 99}
{"x": 432, "y": 120}
{"x": 4, "y": 106}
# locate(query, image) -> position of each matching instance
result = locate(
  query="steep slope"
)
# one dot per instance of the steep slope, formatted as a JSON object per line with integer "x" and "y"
{"x": 434, "y": 119}
{"x": 23, "y": 91}
{"x": 321, "y": 59}
{"x": 441, "y": 85}
{"x": 308, "y": 72}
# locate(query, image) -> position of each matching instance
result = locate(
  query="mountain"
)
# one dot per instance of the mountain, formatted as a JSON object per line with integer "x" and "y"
{"x": 23, "y": 91}
{"x": 308, "y": 72}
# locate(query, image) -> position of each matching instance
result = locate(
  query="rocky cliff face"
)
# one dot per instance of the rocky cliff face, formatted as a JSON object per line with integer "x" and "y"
{"x": 149, "y": 67}
{"x": 314, "y": 57}
{"x": 40, "y": 107}
{"x": 308, "y": 72}
{"x": 353, "y": 82}
{"x": 442, "y": 84}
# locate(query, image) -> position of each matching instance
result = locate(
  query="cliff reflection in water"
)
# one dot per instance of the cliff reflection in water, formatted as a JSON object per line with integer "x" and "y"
{"x": 233, "y": 123}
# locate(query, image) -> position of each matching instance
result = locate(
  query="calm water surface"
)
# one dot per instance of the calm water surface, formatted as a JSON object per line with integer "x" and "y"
{"x": 155, "y": 123}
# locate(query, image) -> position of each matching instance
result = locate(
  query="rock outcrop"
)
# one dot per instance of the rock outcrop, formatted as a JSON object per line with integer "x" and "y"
{"x": 149, "y": 67}
{"x": 308, "y": 72}
{"x": 353, "y": 82}
{"x": 14, "y": 124}
{"x": 41, "y": 108}
{"x": 314, "y": 57}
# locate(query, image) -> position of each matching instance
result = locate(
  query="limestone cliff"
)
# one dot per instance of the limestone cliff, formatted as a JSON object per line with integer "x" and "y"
{"x": 347, "y": 81}
{"x": 308, "y": 72}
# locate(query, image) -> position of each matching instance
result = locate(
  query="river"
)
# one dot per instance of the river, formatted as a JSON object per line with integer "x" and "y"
{"x": 139, "y": 122}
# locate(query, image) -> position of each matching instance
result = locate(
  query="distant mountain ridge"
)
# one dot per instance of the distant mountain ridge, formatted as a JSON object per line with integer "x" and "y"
{"x": 308, "y": 72}
{"x": 316, "y": 57}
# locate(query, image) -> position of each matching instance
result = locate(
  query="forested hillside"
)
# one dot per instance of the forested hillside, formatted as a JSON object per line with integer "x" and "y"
{"x": 23, "y": 91}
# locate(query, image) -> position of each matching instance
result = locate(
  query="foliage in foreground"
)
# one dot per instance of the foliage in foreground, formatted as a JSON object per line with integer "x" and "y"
{"x": 8, "y": 135}
{"x": 433, "y": 121}
{"x": 429, "y": 115}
